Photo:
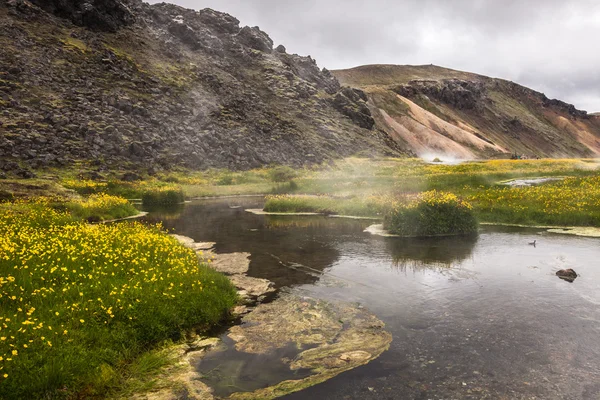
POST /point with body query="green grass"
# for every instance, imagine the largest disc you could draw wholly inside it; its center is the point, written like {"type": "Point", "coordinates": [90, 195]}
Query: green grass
{"type": "Point", "coordinates": [163, 196]}
{"type": "Point", "coordinates": [350, 185]}
{"type": "Point", "coordinates": [431, 214]}
{"type": "Point", "coordinates": [83, 304]}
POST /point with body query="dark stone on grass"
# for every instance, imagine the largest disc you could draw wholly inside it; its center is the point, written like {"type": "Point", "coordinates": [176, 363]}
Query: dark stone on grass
{"type": "Point", "coordinates": [131, 177]}
{"type": "Point", "coordinates": [25, 174]}
{"type": "Point", "coordinates": [568, 275]}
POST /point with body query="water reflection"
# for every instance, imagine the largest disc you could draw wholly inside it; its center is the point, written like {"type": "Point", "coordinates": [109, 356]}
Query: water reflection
{"type": "Point", "coordinates": [500, 326]}
{"type": "Point", "coordinates": [278, 248]}
{"type": "Point", "coordinates": [421, 253]}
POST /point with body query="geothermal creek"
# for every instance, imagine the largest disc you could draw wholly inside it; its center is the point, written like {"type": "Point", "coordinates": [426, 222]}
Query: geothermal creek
{"type": "Point", "coordinates": [476, 318]}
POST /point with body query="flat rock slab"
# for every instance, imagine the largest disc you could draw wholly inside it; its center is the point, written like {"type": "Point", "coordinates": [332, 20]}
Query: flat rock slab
{"type": "Point", "coordinates": [330, 337]}
{"type": "Point", "coordinates": [190, 243]}
{"type": "Point", "coordinates": [339, 337]}
{"type": "Point", "coordinates": [378, 230]}
{"type": "Point", "coordinates": [251, 287]}
{"type": "Point", "coordinates": [232, 263]}
{"type": "Point", "coordinates": [586, 231]}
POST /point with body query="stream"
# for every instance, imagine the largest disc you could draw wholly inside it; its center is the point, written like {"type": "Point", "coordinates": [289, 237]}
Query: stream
{"type": "Point", "coordinates": [482, 317]}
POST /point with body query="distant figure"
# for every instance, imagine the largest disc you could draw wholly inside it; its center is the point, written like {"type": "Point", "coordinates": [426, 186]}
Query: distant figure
{"type": "Point", "coordinates": [533, 243]}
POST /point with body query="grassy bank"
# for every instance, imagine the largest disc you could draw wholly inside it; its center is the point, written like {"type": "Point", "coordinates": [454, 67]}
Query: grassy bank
{"type": "Point", "coordinates": [574, 201]}
{"type": "Point", "coordinates": [364, 187]}
{"type": "Point", "coordinates": [82, 304]}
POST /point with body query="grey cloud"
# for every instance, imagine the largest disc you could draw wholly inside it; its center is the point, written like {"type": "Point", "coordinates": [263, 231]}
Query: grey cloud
{"type": "Point", "coordinates": [548, 45]}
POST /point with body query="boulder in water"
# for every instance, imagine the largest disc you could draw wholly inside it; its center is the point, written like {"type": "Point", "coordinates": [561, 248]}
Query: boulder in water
{"type": "Point", "coordinates": [568, 275]}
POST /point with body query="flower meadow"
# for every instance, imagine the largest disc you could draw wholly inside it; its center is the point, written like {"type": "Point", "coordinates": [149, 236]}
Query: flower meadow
{"type": "Point", "coordinates": [80, 302]}
{"type": "Point", "coordinates": [573, 201]}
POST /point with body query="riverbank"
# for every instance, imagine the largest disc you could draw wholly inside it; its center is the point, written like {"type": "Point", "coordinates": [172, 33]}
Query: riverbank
{"type": "Point", "coordinates": [326, 339]}
{"type": "Point", "coordinates": [83, 306]}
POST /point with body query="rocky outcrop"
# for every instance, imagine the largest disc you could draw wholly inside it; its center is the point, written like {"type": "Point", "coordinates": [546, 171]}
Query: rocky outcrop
{"type": "Point", "coordinates": [457, 93]}
{"type": "Point", "coordinates": [352, 103]}
{"type": "Point", "coordinates": [101, 15]}
{"type": "Point", "coordinates": [255, 39]}
{"type": "Point", "coordinates": [171, 87]}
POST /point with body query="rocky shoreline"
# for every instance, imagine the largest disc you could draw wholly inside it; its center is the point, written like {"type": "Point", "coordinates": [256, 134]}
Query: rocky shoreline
{"type": "Point", "coordinates": [330, 338]}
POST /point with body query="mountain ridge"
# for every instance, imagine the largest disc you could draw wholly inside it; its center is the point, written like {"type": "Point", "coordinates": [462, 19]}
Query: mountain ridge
{"type": "Point", "coordinates": [436, 110]}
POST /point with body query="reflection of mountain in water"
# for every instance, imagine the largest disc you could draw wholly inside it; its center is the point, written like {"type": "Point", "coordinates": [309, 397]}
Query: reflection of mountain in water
{"type": "Point", "coordinates": [419, 253]}
{"type": "Point", "coordinates": [276, 246]}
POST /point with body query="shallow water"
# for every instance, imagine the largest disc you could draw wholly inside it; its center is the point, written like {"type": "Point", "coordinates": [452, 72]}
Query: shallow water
{"type": "Point", "coordinates": [471, 318]}
{"type": "Point", "coordinates": [531, 181]}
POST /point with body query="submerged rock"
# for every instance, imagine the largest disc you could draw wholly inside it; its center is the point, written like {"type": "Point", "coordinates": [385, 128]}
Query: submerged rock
{"type": "Point", "coordinates": [568, 275]}
{"type": "Point", "coordinates": [331, 338]}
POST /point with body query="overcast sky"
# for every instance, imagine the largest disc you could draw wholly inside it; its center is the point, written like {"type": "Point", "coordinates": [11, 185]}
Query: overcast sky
{"type": "Point", "coordinates": [549, 45]}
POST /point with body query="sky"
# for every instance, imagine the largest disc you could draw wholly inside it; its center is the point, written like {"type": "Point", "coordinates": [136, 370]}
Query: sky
{"type": "Point", "coordinates": [548, 45]}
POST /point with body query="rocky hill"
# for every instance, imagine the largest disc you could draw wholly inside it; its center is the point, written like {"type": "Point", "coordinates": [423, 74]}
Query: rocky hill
{"type": "Point", "coordinates": [123, 84]}
{"type": "Point", "coordinates": [120, 83]}
{"type": "Point", "coordinates": [437, 111]}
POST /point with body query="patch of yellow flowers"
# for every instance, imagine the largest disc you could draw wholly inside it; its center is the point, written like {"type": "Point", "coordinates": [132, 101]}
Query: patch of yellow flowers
{"type": "Point", "coordinates": [570, 195]}
{"type": "Point", "coordinates": [57, 278]}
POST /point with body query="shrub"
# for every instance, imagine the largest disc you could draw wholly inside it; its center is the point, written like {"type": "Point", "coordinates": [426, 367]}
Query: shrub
{"type": "Point", "coordinates": [432, 214]}
{"type": "Point", "coordinates": [282, 174]}
{"type": "Point", "coordinates": [287, 187]}
{"type": "Point", "coordinates": [167, 195]}
{"type": "Point", "coordinates": [80, 303]}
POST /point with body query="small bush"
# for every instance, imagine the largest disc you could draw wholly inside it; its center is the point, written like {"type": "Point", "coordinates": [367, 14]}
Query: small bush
{"type": "Point", "coordinates": [432, 214]}
{"type": "Point", "coordinates": [282, 174]}
{"type": "Point", "coordinates": [163, 196]}
{"type": "Point", "coordinates": [287, 187]}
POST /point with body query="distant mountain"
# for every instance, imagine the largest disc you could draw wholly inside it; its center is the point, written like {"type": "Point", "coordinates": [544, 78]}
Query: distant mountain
{"type": "Point", "coordinates": [438, 111]}
{"type": "Point", "coordinates": [125, 84]}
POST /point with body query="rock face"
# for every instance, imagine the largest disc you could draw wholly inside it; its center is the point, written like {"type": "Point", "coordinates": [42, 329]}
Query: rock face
{"type": "Point", "coordinates": [101, 15]}
{"type": "Point", "coordinates": [456, 93]}
{"type": "Point", "coordinates": [166, 87]}
{"type": "Point", "coordinates": [352, 103]}
{"type": "Point", "coordinates": [568, 275]}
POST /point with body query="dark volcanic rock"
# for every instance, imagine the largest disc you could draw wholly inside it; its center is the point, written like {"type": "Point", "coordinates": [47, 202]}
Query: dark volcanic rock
{"type": "Point", "coordinates": [351, 103]}
{"type": "Point", "coordinates": [176, 88]}
{"type": "Point", "coordinates": [101, 15]}
{"type": "Point", "coordinates": [256, 39]}
{"type": "Point", "coordinates": [455, 92]}
{"type": "Point", "coordinates": [568, 275]}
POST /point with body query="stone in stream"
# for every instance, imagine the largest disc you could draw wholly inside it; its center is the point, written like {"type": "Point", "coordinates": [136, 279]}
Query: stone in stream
{"type": "Point", "coordinates": [190, 243]}
{"type": "Point", "coordinates": [232, 263]}
{"type": "Point", "coordinates": [328, 337]}
{"type": "Point", "coordinates": [235, 266]}
{"type": "Point", "coordinates": [568, 275]}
